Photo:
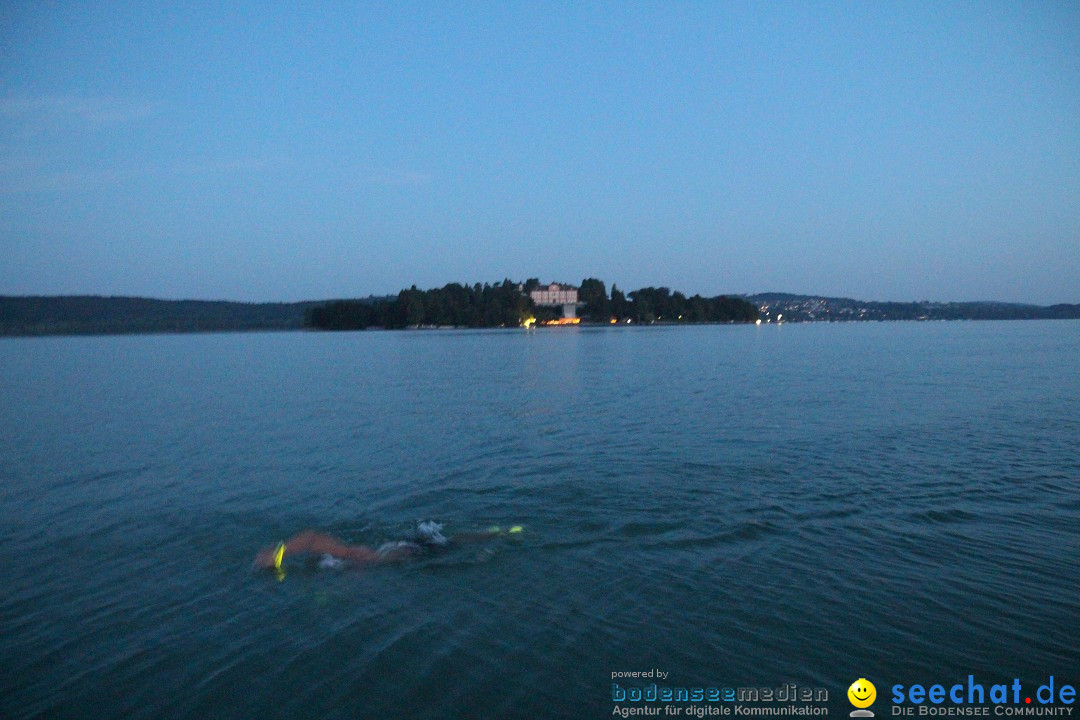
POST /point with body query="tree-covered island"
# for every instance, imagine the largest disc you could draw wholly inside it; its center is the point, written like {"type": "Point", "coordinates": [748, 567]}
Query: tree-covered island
{"type": "Point", "coordinates": [509, 304]}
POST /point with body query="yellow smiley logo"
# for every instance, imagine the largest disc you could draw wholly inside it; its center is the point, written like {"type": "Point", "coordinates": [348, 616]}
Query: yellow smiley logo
{"type": "Point", "coordinates": [862, 693]}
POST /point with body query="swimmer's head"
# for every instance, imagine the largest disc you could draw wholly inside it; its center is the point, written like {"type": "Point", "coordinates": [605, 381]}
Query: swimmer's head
{"type": "Point", "coordinates": [431, 532]}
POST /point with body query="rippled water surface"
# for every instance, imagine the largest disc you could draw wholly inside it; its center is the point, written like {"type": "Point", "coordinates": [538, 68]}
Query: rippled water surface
{"type": "Point", "coordinates": [732, 505]}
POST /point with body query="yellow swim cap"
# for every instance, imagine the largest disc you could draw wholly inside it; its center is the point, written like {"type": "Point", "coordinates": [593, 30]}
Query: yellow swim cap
{"type": "Point", "coordinates": [278, 555]}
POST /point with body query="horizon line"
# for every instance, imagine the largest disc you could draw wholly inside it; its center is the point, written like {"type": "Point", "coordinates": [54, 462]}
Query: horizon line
{"type": "Point", "coordinates": [392, 295]}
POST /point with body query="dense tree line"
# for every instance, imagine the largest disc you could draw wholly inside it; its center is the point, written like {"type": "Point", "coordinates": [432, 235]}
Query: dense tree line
{"type": "Point", "coordinates": [488, 305]}
{"type": "Point", "coordinates": [507, 304]}
{"type": "Point", "coordinates": [651, 304]}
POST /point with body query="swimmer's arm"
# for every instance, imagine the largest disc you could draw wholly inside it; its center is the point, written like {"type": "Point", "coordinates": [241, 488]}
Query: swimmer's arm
{"type": "Point", "coordinates": [320, 543]}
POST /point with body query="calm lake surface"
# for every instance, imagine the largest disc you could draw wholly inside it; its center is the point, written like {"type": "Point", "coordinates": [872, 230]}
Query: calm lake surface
{"type": "Point", "coordinates": [732, 505]}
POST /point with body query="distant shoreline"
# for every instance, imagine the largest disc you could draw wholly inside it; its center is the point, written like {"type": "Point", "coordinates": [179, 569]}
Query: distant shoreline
{"type": "Point", "coordinates": [89, 315]}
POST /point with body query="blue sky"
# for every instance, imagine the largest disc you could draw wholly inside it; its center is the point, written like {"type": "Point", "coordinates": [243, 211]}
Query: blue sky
{"type": "Point", "coordinates": [286, 151]}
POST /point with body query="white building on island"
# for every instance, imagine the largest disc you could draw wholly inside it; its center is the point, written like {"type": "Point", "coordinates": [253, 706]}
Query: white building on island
{"type": "Point", "coordinates": [555, 295]}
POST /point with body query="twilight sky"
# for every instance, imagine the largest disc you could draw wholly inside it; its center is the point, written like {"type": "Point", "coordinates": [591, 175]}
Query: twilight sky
{"type": "Point", "coordinates": [287, 151]}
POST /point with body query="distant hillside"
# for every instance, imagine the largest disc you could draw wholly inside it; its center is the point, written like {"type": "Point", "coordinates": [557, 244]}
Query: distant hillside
{"type": "Point", "coordinates": [813, 308]}
{"type": "Point", "coordinates": [94, 315]}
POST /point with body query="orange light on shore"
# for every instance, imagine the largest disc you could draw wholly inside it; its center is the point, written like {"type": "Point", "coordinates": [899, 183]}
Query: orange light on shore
{"type": "Point", "coordinates": [563, 321]}
{"type": "Point", "coordinates": [613, 321]}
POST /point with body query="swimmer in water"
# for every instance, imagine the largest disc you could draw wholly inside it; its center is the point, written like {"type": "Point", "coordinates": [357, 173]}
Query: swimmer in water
{"type": "Point", "coordinates": [336, 553]}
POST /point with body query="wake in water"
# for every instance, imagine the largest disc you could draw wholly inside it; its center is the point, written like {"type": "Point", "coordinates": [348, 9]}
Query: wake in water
{"type": "Point", "coordinates": [335, 554]}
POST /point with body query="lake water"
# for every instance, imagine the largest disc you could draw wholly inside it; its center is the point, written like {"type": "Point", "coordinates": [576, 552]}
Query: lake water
{"type": "Point", "coordinates": [732, 505]}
